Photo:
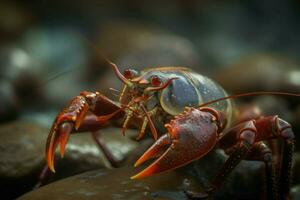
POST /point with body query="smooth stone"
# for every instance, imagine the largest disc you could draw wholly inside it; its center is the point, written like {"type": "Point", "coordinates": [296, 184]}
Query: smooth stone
{"type": "Point", "coordinates": [113, 184]}
{"type": "Point", "coordinates": [9, 104]}
{"type": "Point", "coordinates": [295, 192]}
{"type": "Point", "coordinates": [38, 68]}
{"type": "Point", "coordinates": [15, 18]}
{"type": "Point", "coordinates": [82, 154]}
{"type": "Point", "coordinates": [145, 45]}
{"type": "Point", "coordinates": [271, 105]}
{"type": "Point", "coordinates": [21, 147]}
{"type": "Point", "coordinates": [245, 182]}
{"type": "Point", "coordinates": [260, 72]}
{"type": "Point", "coordinates": [22, 155]}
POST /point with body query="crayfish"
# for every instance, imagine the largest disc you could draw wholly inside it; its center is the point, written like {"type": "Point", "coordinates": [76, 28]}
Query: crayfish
{"type": "Point", "coordinates": [195, 114]}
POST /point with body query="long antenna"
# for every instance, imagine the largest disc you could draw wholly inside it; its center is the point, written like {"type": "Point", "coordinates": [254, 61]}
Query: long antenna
{"type": "Point", "coordinates": [113, 65]}
{"type": "Point", "coordinates": [55, 76]}
{"type": "Point", "coordinates": [104, 58]}
{"type": "Point", "coordinates": [235, 96]}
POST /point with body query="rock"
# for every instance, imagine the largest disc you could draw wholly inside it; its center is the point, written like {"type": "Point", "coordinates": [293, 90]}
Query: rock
{"type": "Point", "coordinates": [9, 104]}
{"type": "Point", "coordinates": [83, 155]}
{"type": "Point", "coordinates": [21, 157]}
{"type": "Point", "coordinates": [245, 182]}
{"type": "Point", "coordinates": [295, 192]}
{"type": "Point", "coordinates": [116, 183]}
{"type": "Point", "coordinates": [23, 141]}
{"type": "Point", "coordinates": [265, 72]}
{"type": "Point", "coordinates": [145, 45]}
{"type": "Point", "coordinates": [113, 184]}
{"type": "Point", "coordinates": [14, 19]}
{"type": "Point", "coordinates": [270, 105]}
{"type": "Point", "coordinates": [22, 154]}
{"type": "Point", "coordinates": [144, 144]}
{"type": "Point", "coordinates": [50, 47]}
{"type": "Point", "coordinates": [37, 67]}
{"type": "Point", "coordinates": [20, 70]}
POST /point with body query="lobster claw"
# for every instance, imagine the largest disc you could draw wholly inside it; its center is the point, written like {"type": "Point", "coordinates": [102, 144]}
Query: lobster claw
{"type": "Point", "coordinates": [59, 134]}
{"type": "Point", "coordinates": [71, 117]}
{"type": "Point", "coordinates": [191, 135]}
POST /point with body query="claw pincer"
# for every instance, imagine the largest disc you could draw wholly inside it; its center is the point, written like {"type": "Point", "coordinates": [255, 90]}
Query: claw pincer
{"type": "Point", "coordinates": [69, 118]}
{"type": "Point", "coordinates": [191, 135]}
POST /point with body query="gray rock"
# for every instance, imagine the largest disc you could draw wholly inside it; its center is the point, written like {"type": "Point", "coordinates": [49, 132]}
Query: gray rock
{"type": "Point", "coordinates": [116, 184]}
{"type": "Point", "coordinates": [9, 104]}
{"type": "Point", "coordinates": [295, 192]}
{"type": "Point", "coordinates": [82, 154]}
{"type": "Point", "coordinates": [21, 148]}
{"type": "Point", "coordinates": [271, 105]}
{"type": "Point", "coordinates": [22, 156]}
{"type": "Point", "coordinates": [260, 72]}
{"type": "Point", "coordinates": [15, 18]}
{"type": "Point", "coordinates": [113, 184]}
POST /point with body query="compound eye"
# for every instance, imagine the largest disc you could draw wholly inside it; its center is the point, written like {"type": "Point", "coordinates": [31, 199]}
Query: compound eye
{"type": "Point", "coordinates": [155, 81]}
{"type": "Point", "coordinates": [130, 73]}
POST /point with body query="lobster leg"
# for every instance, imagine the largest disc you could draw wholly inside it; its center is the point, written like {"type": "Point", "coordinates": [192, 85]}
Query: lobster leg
{"type": "Point", "coordinates": [43, 177]}
{"type": "Point", "coordinates": [110, 157]}
{"type": "Point", "coordinates": [286, 166]}
{"type": "Point", "coordinates": [273, 127]}
{"type": "Point", "coordinates": [238, 152]}
{"type": "Point", "coordinates": [287, 134]}
{"type": "Point", "coordinates": [261, 152]}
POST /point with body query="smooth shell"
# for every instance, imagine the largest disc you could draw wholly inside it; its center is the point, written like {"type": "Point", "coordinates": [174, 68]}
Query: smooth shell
{"type": "Point", "coordinates": [189, 89]}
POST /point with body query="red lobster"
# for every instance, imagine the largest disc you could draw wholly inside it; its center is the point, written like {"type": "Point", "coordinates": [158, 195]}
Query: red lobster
{"type": "Point", "coordinates": [197, 115]}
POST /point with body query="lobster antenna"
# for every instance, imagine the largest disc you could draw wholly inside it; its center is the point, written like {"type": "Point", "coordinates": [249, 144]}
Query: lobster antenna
{"type": "Point", "coordinates": [62, 73]}
{"type": "Point", "coordinates": [235, 96]}
{"type": "Point", "coordinates": [55, 76]}
{"type": "Point", "coordinates": [113, 65]}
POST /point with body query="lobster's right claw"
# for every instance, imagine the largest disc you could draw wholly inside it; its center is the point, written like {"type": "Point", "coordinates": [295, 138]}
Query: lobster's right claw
{"type": "Point", "coordinates": [70, 118]}
{"type": "Point", "coordinates": [191, 136]}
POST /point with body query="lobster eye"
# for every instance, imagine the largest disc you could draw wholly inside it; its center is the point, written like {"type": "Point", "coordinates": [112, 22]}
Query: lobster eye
{"type": "Point", "coordinates": [155, 81]}
{"type": "Point", "coordinates": [129, 73]}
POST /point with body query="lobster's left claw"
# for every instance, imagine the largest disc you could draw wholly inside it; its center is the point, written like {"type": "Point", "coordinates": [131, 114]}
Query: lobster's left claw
{"type": "Point", "coordinates": [58, 134]}
{"type": "Point", "coordinates": [191, 136]}
{"type": "Point", "coordinates": [70, 117]}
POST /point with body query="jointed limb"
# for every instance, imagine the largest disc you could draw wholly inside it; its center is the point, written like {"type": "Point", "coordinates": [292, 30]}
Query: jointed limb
{"type": "Point", "coordinates": [238, 152]}
{"type": "Point", "coordinates": [87, 112]}
{"type": "Point", "coordinates": [247, 138]}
